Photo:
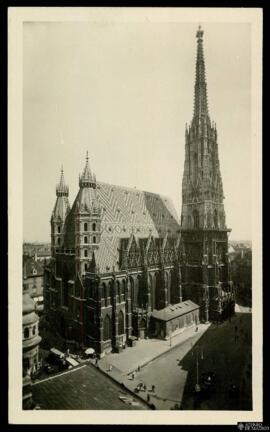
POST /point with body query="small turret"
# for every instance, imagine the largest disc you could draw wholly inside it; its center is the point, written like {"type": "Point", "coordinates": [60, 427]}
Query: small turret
{"type": "Point", "coordinates": [59, 214]}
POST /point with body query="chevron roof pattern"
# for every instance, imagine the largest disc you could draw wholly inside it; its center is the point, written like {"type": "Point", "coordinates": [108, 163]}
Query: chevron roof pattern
{"type": "Point", "coordinates": [126, 211]}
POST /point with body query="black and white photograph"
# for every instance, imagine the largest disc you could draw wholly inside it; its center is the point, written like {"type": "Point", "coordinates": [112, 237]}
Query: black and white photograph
{"type": "Point", "coordinates": [134, 196]}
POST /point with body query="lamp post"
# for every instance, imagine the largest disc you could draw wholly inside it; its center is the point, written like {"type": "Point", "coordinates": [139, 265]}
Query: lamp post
{"type": "Point", "coordinates": [197, 385]}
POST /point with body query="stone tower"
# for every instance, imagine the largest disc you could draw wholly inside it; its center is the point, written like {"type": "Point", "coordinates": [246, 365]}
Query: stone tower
{"type": "Point", "coordinates": [59, 214]}
{"type": "Point", "coordinates": [206, 267]}
{"type": "Point", "coordinates": [87, 219]}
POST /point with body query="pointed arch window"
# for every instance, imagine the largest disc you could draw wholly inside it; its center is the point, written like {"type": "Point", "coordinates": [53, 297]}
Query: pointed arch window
{"type": "Point", "coordinates": [85, 253]}
{"type": "Point", "coordinates": [103, 290]}
{"type": "Point", "coordinates": [59, 241]}
{"type": "Point", "coordinates": [118, 292]}
{"type": "Point", "coordinates": [209, 219]}
{"type": "Point", "coordinates": [85, 240]}
{"type": "Point", "coordinates": [216, 218]}
{"type": "Point", "coordinates": [121, 323]}
{"type": "Point", "coordinates": [107, 332]}
{"type": "Point", "coordinates": [132, 293]}
{"type": "Point", "coordinates": [65, 286]}
{"type": "Point", "coordinates": [123, 286]}
{"type": "Point", "coordinates": [85, 226]}
{"type": "Point", "coordinates": [196, 219]}
{"type": "Point", "coordinates": [94, 227]}
{"type": "Point", "coordinates": [59, 229]}
{"type": "Point", "coordinates": [94, 239]}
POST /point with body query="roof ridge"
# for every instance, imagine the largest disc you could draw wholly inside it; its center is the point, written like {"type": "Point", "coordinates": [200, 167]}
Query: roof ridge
{"type": "Point", "coordinates": [134, 189]}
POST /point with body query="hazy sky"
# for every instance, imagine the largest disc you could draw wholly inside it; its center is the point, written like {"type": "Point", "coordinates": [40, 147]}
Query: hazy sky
{"type": "Point", "coordinates": [124, 93]}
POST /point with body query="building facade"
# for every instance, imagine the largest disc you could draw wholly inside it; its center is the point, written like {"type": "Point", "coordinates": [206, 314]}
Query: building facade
{"type": "Point", "coordinates": [174, 319]}
{"type": "Point", "coordinates": [33, 281]}
{"type": "Point", "coordinates": [31, 338]}
{"type": "Point", "coordinates": [119, 254]}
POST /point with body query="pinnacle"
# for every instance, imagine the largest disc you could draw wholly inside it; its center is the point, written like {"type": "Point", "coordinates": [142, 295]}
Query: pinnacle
{"type": "Point", "coordinates": [62, 188]}
{"type": "Point", "coordinates": [87, 178]}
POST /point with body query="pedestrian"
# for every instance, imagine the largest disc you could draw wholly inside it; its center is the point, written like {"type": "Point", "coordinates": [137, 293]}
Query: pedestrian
{"type": "Point", "coordinates": [133, 375]}
{"type": "Point", "coordinates": [153, 388]}
{"type": "Point", "coordinates": [148, 397]}
{"type": "Point", "coordinates": [144, 388]}
{"type": "Point", "coordinates": [110, 368]}
{"type": "Point", "coordinates": [96, 361]}
{"type": "Point", "coordinates": [139, 368]}
{"type": "Point", "coordinates": [196, 328]}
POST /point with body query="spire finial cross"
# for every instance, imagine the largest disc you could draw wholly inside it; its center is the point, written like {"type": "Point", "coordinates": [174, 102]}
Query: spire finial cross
{"type": "Point", "coordinates": [87, 156]}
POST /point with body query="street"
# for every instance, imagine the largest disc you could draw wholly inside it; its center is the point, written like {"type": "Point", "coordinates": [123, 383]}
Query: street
{"type": "Point", "coordinates": [224, 349]}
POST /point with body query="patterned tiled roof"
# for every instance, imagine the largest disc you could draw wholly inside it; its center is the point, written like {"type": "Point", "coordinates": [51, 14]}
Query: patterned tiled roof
{"type": "Point", "coordinates": [124, 211]}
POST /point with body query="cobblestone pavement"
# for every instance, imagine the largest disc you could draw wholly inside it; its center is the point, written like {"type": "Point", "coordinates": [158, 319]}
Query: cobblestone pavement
{"type": "Point", "coordinates": [172, 369]}
{"type": "Point", "coordinates": [148, 349]}
{"type": "Point", "coordinates": [154, 356]}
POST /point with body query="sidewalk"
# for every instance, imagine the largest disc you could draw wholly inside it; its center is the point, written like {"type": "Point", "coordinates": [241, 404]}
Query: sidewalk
{"type": "Point", "coordinates": [147, 350]}
{"type": "Point", "coordinates": [120, 366]}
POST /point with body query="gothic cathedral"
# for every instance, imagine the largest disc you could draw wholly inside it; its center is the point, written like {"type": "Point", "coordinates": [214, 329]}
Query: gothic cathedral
{"type": "Point", "coordinates": [123, 266]}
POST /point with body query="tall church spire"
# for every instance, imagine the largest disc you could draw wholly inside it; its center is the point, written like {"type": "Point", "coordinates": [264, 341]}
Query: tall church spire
{"type": "Point", "coordinates": [200, 94]}
{"type": "Point", "coordinates": [204, 236]}
{"type": "Point", "coordinates": [202, 190]}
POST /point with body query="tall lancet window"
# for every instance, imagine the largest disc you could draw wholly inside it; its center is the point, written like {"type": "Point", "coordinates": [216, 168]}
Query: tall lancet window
{"type": "Point", "coordinates": [196, 219]}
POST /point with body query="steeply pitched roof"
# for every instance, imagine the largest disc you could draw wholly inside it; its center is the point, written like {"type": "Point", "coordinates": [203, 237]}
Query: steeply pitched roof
{"type": "Point", "coordinates": [123, 211]}
{"type": "Point", "coordinates": [174, 311]}
{"type": "Point", "coordinates": [61, 207]}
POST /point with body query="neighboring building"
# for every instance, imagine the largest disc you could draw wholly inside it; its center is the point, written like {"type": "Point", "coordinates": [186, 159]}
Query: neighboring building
{"type": "Point", "coordinates": [242, 276]}
{"type": "Point", "coordinates": [30, 355]}
{"type": "Point", "coordinates": [85, 388]}
{"type": "Point", "coordinates": [33, 279]}
{"type": "Point", "coordinates": [31, 338]}
{"type": "Point", "coordinates": [119, 254]}
{"type": "Point", "coordinates": [173, 318]}
{"type": "Point", "coordinates": [41, 252]}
